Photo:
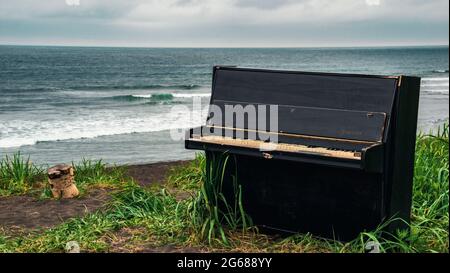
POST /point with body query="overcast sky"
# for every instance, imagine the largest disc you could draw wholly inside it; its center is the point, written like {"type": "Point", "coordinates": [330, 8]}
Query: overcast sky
{"type": "Point", "coordinates": [224, 23]}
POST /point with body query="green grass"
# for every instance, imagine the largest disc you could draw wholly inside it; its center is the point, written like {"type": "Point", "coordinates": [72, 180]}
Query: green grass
{"type": "Point", "coordinates": [429, 219]}
{"type": "Point", "coordinates": [160, 213]}
{"type": "Point", "coordinates": [18, 175]}
{"type": "Point", "coordinates": [209, 222]}
{"type": "Point", "coordinates": [96, 174]}
{"type": "Point", "coordinates": [188, 178]}
{"type": "Point", "coordinates": [211, 212]}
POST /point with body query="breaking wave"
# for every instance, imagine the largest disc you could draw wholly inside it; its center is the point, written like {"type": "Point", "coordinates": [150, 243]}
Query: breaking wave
{"type": "Point", "coordinates": [137, 87]}
{"type": "Point", "coordinates": [14, 134]}
{"type": "Point", "coordinates": [45, 89]}
{"type": "Point", "coordinates": [435, 86]}
{"type": "Point", "coordinates": [441, 71]}
{"type": "Point", "coordinates": [158, 97]}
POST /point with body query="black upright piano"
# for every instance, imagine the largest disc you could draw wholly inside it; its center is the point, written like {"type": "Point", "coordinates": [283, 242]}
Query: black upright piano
{"type": "Point", "coordinates": [340, 160]}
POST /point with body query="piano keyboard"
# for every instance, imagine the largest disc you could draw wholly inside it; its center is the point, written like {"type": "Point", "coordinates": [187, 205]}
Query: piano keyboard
{"type": "Point", "coordinates": [282, 147]}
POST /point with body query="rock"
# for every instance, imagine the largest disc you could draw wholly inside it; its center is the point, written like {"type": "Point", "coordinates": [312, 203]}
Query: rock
{"type": "Point", "coordinates": [372, 247]}
{"type": "Point", "coordinates": [72, 247]}
{"type": "Point", "coordinates": [61, 180]}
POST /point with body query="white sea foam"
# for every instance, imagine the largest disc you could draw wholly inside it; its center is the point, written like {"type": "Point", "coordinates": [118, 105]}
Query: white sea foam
{"type": "Point", "coordinates": [142, 96]}
{"type": "Point", "coordinates": [16, 133]}
{"type": "Point", "coordinates": [436, 90]}
{"type": "Point", "coordinates": [175, 95]}
{"type": "Point", "coordinates": [446, 79]}
{"type": "Point", "coordinates": [192, 95]}
{"type": "Point", "coordinates": [435, 86]}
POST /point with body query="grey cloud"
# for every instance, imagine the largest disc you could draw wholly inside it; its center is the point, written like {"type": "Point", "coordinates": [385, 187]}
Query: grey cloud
{"type": "Point", "coordinates": [264, 4]}
{"type": "Point", "coordinates": [224, 22]}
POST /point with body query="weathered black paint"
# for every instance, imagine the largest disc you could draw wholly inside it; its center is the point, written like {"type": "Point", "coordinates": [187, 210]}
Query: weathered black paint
{"type": "Point", "coordinates": [331, 197]}
{"type": "Point", "coordinates": [331, 105]}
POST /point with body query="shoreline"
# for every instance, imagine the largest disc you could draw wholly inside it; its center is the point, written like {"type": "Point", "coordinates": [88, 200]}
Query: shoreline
{"type": "Point", "coordinates": [127, 149]}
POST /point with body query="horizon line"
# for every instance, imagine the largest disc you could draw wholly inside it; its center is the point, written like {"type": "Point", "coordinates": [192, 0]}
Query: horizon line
{"type": "Point", "coordinates": [231, 47]}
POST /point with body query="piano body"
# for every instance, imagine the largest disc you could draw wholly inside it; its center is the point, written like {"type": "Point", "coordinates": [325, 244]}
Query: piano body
{"type": "Point", "coordinates": [343, 158]}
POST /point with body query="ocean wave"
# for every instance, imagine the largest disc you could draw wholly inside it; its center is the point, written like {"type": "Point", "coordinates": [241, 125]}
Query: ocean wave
{"type": "Point", "coordinates": [441, 79]}
{"type": "Point", "coordinates": [17, 133]}
{"type": "Point", "coordinates": [153, 97]}
{"type": "Point", "coordinates": [191, 95]}
{"type": "Point", "coordinates": [20, 90]}
{"type": "Point", "coordinates": [158, 96]}
{"type": "Point", "coordinates": [436, 92]}
{"type": "Point", "coordinates": [137, 87]}
{"type": "Point", "coordinates": [440, 71]}
{"type": "Point", "coordinates": [169, 96]}
{"type": "Point", "coordinates": [32, 89]}
{"type": "Point", "coordinates": [162, 102]}
{"type": "Point", "coordinates": [435, 85]}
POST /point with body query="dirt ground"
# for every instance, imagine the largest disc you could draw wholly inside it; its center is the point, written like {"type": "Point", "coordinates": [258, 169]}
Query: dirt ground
{"type": "Point", "coordinates": [124, 241]}
{"type": "Point", "coordinates": [153, 173]}
{"type": "Point", "coordinates": [26, 213]}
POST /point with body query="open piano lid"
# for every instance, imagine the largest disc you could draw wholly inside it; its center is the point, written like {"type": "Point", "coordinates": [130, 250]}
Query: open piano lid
{"type": "Point", "coordinates": [335, 106]}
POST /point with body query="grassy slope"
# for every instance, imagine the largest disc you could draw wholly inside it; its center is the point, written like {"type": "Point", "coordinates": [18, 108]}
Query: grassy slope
{"type": "Point", "coordinates": [158, 218]}
{"type": "Point", "coordinates": [19, 176]}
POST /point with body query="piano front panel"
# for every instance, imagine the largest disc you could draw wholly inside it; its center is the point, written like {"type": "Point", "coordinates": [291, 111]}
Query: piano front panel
{"type": "Point", "coordinates": [290, 196]}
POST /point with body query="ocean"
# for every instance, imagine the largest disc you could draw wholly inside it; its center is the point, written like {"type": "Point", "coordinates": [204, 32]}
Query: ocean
{"type": "Point", "coordinates": [62, 104]}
